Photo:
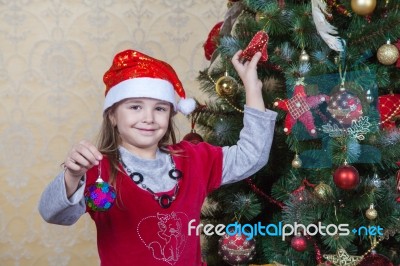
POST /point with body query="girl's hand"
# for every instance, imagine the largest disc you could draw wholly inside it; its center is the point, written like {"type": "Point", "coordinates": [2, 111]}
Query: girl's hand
{"type": "Point", "coordinates": [81, 158]}
{"type": "Point", "coordinates": [247, 71]}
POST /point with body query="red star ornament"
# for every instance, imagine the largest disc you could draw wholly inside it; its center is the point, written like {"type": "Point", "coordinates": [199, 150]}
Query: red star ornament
{"type": "Point", "coordinates": [299, 108]}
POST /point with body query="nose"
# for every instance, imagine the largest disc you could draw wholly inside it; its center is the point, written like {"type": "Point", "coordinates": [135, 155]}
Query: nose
{"type": "Point", "coordinates": [148, 116]}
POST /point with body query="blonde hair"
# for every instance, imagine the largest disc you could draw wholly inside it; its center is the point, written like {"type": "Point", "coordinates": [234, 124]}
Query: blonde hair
{"type": "Point", "coordinates": [108, 140]}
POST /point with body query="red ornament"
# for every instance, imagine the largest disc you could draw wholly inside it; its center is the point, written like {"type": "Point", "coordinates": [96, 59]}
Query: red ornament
{"type": "Point", "coordinates": [193, 137]}
{"type": "Point", "coordinates": [212, 40]}
{"type": "Point", "coordinates": [259, 43]}
{"type": "Point", "coordinates": [236, 250]}
{"type": "Point", "coordinates": [375, 259]}
{"type": "Point", "coordinates": [346, 177]}
{"type": "Point", "coordinates": [345, 108]}
{"type": "Point", "coordinates": [299, 243]}
{"type": "Point", "coordinates": [389, 108]}
{"type": "Point", "coordinates": [298, 108]}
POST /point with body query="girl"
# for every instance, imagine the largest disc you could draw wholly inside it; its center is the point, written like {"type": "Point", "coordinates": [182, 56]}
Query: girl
{"type": "Point", "coordinates": [159, 187]}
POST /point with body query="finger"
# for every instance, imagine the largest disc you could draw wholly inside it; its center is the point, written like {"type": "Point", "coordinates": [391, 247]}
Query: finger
{"type": "Point", "coordinates": [81, 159]}
{"type": "Point", "coordinates": [255, 59]}
{"type": "Point", "coordinates": [236, 59]}
{"type": "Point", "coordinates": [236, 56]}
{"type": "Point", "coordinates": [85, 157]}
{"type": "Point", "coordinates": [93, 149]}
{"type": "Point", "coordinates": [72, 165]}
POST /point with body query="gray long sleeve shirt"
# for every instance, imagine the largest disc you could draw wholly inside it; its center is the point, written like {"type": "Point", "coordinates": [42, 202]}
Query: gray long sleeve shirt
{"type": "Point", "coordinates": [240, 161]}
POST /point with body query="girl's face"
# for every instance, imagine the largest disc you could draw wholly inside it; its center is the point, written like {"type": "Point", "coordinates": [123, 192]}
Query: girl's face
{"type": "Point", "coordinates": [141, 123]}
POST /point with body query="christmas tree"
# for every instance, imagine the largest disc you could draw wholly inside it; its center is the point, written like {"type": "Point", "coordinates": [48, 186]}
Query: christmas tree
{"type": "Point", "coordinates": [331, 71]}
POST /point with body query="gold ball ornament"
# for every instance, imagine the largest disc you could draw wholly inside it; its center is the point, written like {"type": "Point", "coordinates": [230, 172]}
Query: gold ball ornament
{"type": "Point", "coordinates": [226, 86]}
{"type": "Point", "coordinates": [304, 57]}
{"type": "Point", "coordinates": [296, 163]}
{"type": "Point", "coordinates": [371, 213]}
{"type": "Point", "coordinates": [363, 7]}
{"type": "Point", "coordinates": [323, 191]}
{"type": "Point", "coordinates": [387, 54]}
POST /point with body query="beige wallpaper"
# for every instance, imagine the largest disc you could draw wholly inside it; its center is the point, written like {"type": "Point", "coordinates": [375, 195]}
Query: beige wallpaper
{"type": "Point", "coordinates": [52, 57]}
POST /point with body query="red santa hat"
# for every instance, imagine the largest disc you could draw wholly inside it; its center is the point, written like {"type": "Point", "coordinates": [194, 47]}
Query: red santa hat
{"type": "Point", "coordinates": [134, 74]}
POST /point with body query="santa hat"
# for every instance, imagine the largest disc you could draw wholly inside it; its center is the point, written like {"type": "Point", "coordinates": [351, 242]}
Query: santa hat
{"type": "Point", "coordinates": [134, 74]}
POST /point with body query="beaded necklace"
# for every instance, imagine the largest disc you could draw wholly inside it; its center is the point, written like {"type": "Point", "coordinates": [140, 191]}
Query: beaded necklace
{"type": "Point", "coordinates": [164, 200]}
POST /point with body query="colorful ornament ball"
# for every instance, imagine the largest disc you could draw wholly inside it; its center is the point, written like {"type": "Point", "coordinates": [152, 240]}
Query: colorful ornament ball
{"type": "Point", "coordinates": [345, 108]}
{"type": "Point", "coordinates": [100, 196]}
{"type": "Point", "coordinates": [235, 249]}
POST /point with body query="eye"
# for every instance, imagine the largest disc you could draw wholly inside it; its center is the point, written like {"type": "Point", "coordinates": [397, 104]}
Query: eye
{"type": "Point", "coordinates": [135, 107]}
{"type": "Point", "coordinates": [161, 109]}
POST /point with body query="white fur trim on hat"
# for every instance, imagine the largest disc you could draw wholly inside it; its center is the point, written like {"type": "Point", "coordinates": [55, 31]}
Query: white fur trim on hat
{"type": "Point", "coordinates": [186, 106]}
{"type": "Point", "coordinates": [141, 87]}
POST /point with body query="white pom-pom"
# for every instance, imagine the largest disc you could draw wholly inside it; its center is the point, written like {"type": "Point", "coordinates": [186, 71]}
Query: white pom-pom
{"type": "Point", "coordinates": [186, 106]}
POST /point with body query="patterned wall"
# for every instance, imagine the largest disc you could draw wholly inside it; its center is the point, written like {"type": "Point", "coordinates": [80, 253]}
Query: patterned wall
{"type": "Point", "coordinates": [52, 58]}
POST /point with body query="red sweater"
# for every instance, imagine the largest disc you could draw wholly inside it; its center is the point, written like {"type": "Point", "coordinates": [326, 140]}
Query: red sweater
{"type": "Point", "coordinates": [137, 231]}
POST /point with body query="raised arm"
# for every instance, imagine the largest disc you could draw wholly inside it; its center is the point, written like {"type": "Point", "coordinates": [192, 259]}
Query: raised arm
{"type": "Point", "coordinates": [252, 150]}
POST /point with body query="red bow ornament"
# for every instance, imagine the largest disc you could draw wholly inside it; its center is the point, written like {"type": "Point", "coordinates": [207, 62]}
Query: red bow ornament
{"type": "Point", "coordinates": [259, 43]}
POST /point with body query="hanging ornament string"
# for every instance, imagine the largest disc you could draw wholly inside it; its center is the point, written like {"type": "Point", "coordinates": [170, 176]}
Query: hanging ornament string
{"type": "Point", "coordinates": [193, 136]}
{"type": "Point", "coordinates": [262, 194]}
{"type": "Point", "coordinates": [100, 196]}
{"type": "Point", "coordinates": [195, 115]}
{"type": "Point", "coordinates": [342, 66]}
